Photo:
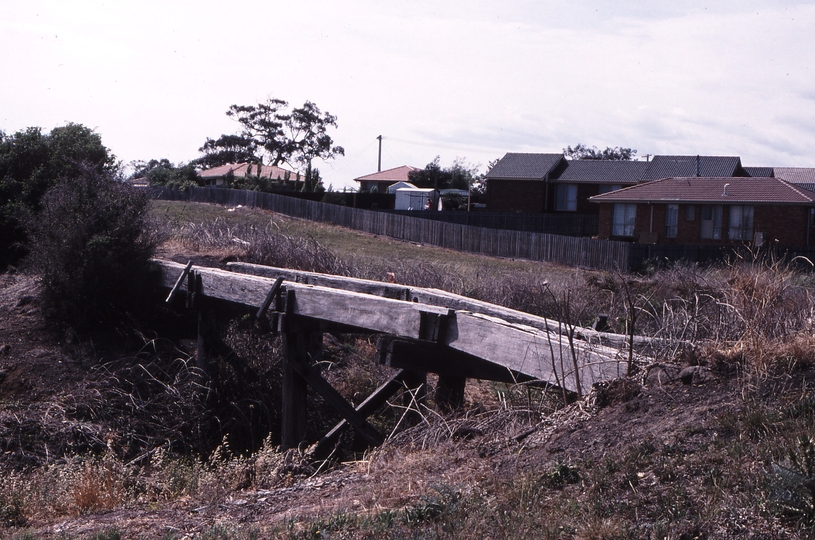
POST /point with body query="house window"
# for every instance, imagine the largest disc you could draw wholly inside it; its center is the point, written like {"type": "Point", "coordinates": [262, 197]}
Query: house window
{"type": "Point", "coordinates": [741, 223]}
{"type": "Point", "coordinates": [625, 216]}
{"type": "Point", "coordinates": [608, 188]}
{"type": "Point", "coordinates": [566, 197]}
{"type": "Point", "coordinates": [671, 220]}
{"type": "Point", "coordinates": [690, 212]}
{"type": "Point", "coordinates": [710, 226]}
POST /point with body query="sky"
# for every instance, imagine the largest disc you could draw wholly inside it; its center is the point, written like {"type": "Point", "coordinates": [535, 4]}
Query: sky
{"type": "Point", "coordinates": [469, 80]}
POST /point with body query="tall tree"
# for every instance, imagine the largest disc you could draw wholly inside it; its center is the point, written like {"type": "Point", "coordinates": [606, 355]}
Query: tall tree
{"type": "Point", "coordinates": [460, 175]}
{"type": "Point", "coordinates": [581, 151]}
{"type": "Point", "coordinates": [227, 149]}
{"type": "Point", "coordinates": [162, 172]}
{"type": "Point", "coordinates": [276, 135]}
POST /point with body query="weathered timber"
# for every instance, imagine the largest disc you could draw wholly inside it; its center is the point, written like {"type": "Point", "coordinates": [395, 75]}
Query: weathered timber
{"type": "Point", "coordinates": [366, 286]}
{"type": "Point", "coordinates": [429, 357]}
{"type": "Point", "coordinates": [450, 392]}
{"type": "Point", "coordinates": [209, 340]}
{"type": "Point", "coordinates": [178, 282]}
{"type": "Point", "coordinates": [316, 381]}
{"type": "Point", "coordinates": [542, 355]}
{"type": "Point", "coordinates": [294, 390]}
{"type": "Point", "coordinates": [273, 293]}
{"type": "Point", "coordinates": [354, 310]}
{"type": "Point", "coordinates": [438, 297]}
{"type": "Point", "coordinates": [539, 353]}
{"type": "Point", "coordinates": [379, 397]}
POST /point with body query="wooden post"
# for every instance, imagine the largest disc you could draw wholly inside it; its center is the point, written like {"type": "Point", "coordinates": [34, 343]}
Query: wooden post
{"type": "Point", "coordinates": [450, 392]}
{"type": "Point", "coordinates": [293, 431]}
{"type": "Point", "coordinates": [208, 340]}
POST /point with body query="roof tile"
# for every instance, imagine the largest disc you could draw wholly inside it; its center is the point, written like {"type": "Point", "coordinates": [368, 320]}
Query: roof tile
{"type": "Point", "coordinates": [603, 171]}
{"type": "Point", "coordinates": [515, 166]}
{"type": "Point", "coordinates": [674, 166]}
{"type": "Point", "coordinates": [397, 174]}
{"type": "Point", "coordinates": [699, 189]}
{"type": "Point", "coordinates": [796, 175]}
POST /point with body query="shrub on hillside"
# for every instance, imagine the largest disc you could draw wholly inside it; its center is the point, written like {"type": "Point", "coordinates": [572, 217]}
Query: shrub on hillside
{"type": "Point", "coordinates": [31, 162]}
{"type": "Point", "coordinates": [91, 245]}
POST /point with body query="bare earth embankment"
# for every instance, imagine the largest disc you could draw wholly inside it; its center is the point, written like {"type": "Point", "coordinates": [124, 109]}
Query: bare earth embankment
{"type": "Point", "coordinates": [648, 457]}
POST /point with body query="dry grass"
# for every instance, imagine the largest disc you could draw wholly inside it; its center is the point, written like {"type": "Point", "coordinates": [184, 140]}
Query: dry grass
{"type": "Point", "coordinates": [436, 477]}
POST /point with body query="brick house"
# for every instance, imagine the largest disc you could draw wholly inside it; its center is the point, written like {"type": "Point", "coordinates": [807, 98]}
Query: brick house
{"type": "Point", "coordinates": [709, 211]}
{"type": "Point", "coordinates": [572, 187]}
{"type": "Point", "coordinates": [379, 182]}
{"type": "Point", "coordinates": [550, 183]}
{"type": "Point", "coordinates": [216, 176]}
{"type": "Point", "coordinates": [520, 182]}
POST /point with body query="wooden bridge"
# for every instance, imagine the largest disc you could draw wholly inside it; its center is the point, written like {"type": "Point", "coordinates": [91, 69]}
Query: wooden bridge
{"type": "Point", "coordinates": [423, 331]}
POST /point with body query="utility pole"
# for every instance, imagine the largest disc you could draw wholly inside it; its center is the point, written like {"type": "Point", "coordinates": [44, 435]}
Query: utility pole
{"type": "Point", "coordinates": [379, 162]}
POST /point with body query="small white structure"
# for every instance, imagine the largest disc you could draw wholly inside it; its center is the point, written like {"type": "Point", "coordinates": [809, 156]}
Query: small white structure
{"type": "Point", "coordinates": [415, 199]}
{"type": "Point", "coordinates": [399, 185]}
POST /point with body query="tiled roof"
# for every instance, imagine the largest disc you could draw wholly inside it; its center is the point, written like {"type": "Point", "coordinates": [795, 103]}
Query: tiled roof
{"type": "Point", "coordinates": [695, 189]}
{"type": "Point", "coordinates": [673, 166]}
{"type": "Point", "coordinates": [240, 169]}
{"type": "Point", "coordinates": [602, 171]}
{"type": "Point", "coordinates": [397, 174]}
{"type": "Point", "coordinates": [515, 166]}
{"type": "Point", "coordinates": [764, 172]}
{"type": "Point", "coordinates": [796, 175]}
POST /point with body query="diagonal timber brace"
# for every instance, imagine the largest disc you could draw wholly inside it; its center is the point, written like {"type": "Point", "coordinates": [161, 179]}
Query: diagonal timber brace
{"type": "Point", "coordinates": [324, 388]}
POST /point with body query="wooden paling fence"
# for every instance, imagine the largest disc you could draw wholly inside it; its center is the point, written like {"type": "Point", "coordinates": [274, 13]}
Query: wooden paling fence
{"type": "Point", "coordinates": [572, 251]}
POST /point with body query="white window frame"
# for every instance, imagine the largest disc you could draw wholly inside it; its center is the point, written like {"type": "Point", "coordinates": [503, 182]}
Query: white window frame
{"type": "Point", "coordinates": [624, 218]}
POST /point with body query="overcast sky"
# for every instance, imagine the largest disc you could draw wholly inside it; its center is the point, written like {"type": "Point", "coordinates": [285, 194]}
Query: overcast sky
{"type": "Point", "coordinates": [459, 79]}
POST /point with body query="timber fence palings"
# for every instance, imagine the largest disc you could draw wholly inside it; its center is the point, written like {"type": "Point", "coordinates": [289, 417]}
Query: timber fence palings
{"type": "Point", "coordinates": [568, 250]}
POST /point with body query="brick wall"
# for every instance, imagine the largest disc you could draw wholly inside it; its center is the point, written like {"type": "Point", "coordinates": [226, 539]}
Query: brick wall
{"type": "Point", "coordinates": [783, 225]}
{"type": "Point", "coordinates": [516, 195]}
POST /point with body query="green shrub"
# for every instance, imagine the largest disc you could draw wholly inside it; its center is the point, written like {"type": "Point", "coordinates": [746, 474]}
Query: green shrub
{"type": "Point", "coordinates": [91, 245]}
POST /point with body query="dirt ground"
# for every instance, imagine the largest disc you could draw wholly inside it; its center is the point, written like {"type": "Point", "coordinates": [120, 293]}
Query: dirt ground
{"type": "Point", "coordinates": [41, 368]}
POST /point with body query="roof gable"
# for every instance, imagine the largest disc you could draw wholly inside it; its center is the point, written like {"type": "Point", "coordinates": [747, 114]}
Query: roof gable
{"type": "Point", "coordinates": [602, 171]}
{"type": "Point", "coordinates": [397, 174]}
{"type": "Point", "coordinates": [796, 175]}
{"type": "Point", "coordinates": [765, 172]}
{"type": "Point", "coordinates": [685, 166]}
{"type": "Point", "coordinates": [515, 166]}
{"type": "Point", "coordinates": [698, 189]}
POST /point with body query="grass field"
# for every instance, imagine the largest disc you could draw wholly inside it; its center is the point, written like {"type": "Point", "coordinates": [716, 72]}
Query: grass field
{"type": "Point", "coordinates": [355, 247]}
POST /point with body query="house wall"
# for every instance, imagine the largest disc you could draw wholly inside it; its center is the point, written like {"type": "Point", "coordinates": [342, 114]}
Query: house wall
{"type": "Point", "coordinates": [516, 195]}
{"type": "Point", "coordinates": [787, 224]}
{"type": "Point", "coordinates": [784, 225]}
{"type": "Point", "coordinates": [584, 191]}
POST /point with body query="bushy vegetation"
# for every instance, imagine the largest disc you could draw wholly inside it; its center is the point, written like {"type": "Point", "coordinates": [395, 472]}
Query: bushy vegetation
{"type": "Point", "coordinates": [92, 248]}
{"type": "Point", "coordinates": [162, 172]}
{"type": "Point", "coordinates": [32, 162]}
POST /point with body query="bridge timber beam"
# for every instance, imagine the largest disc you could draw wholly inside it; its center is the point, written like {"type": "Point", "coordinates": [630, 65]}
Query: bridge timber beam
{"type": "Point", "coordinates": [536, 353]}
{"type": "Point", "coordinates": [438, 297]}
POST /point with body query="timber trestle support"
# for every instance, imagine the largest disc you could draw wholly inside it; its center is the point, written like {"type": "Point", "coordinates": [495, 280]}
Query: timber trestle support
{"type": "Point", "coordinates": [420, 331]}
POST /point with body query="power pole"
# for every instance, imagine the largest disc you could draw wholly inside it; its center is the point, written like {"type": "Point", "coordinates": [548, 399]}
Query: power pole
{"type": "Point", "coordinates": [379, 162]}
